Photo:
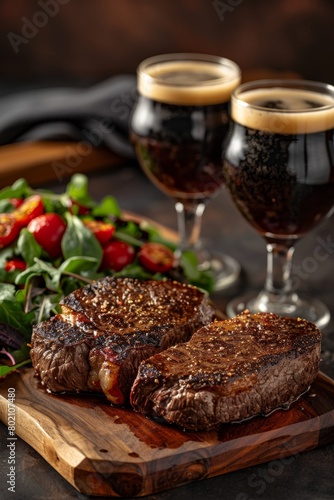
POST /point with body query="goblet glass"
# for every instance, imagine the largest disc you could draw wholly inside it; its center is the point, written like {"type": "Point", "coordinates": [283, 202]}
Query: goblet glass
{"type": "Point", "coordinates": [279, 169]}
{"type": "Point", "coordinates": [177, 126]}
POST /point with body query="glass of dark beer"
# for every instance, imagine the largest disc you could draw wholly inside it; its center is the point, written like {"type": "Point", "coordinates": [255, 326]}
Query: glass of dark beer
{"type": "Point", "coordinates": [279, 169]}
{"type": "Point", "coordinates": [177, 127]}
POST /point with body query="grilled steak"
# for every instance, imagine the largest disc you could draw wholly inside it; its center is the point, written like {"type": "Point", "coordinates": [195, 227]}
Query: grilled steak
{"type": "Point", "coordinates": [229, 370]}
{"type": "Point", "coordinates": [107, 328]}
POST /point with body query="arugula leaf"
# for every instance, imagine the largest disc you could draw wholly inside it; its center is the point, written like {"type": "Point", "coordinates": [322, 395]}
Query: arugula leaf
{"type": "Point", "coordinates": [78, 241]}
{"type": "Point", "coordinates": [19, 189]}
{"type": "Point", "coordinates": [6, 206]}
{"type": "Point", "coordinates": [77, 190]}
{"type": "Point", "coordinates": [5, 254]}
{"type": "Point", "coordinates": [107, 207]}
{"type": "Point", "coordinates": [12, 314]}
{"type": "Point", "coordinates": [133, 270]}
{"type": "Point", "coordinates": [28, 247]}
{"type": "Point", "coordinates": [5, 369]}
{"type": "Point", "coordinates": [39, 269]}
{"type": "Point", "coordinates": [202, 279]}
{"type": "Point", "coordinates": [7, 292]}
{"type": "Point", "coordinates": [52, 205]}
{"type": "Point", "coordinates": [189, 263]}
{"type": "Point", "coordinates": [122, 235]}
{"type": "Point", "coordinates": [82, 266]}
{"type": "Point", "coordinates": [71, 283]}
{"type": "Point", "coordinates": [46, 305]}
{"type": "Point", "coordinates": [21, 354]}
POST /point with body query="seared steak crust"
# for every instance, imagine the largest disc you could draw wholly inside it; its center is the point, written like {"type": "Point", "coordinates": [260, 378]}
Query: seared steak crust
{"type": "Point", "coordinates": [229, 370]}
{"type": "Point", "coordinates": [108, 327]}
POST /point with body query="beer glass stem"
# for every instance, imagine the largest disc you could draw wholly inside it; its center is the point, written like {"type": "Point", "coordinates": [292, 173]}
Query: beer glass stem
{"type": "Point", "coordinates": [189, 220]}
{"type": "Point", "coordinates": [278, 295]}
{"type": "Point", "coordinates": [279, 262]}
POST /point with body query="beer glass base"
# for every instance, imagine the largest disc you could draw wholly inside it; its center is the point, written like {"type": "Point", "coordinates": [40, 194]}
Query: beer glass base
{"type": "Point", "coordinates": [309, 309]}
{"type": "Point", "coordinates": [225, 269]}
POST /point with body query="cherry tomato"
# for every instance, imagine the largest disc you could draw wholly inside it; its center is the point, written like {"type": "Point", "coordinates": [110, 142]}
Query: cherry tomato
{"type": "Point", "coordinates": [117, 255]}
{"type": "Point", "coordinates": [103, 231]}
{"type": "Point", "coordinates": [29, 209]}
{"type": "Point", "coordinates": [16, 202]}
{"type": "Point", "coordinates": [9, 229]}
{"type": "Point", "coordinates": [15, 265]}
{"type": "Point", "coordinates": [48, 230]}
{"type": "Point", "coordinates": [156, 257]}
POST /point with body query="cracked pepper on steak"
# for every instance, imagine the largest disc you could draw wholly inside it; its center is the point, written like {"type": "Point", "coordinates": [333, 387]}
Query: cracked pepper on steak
{"type": "Point", "coordinates": [107, 328]}
{"type": "Point", "coordinates": [230, 370]}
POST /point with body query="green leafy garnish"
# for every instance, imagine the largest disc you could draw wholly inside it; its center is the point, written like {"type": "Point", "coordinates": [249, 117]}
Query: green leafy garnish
{"type": "Point", "coordinates": [28, 247]}
{"type": "Point", "coordinates": [77, 190]}
{"type": "Point", "coordinates": [78, 240]}
{"type": "Point", "coordinates": [31, 292]}
{"type": "Point", "coordinates": [19, 189]}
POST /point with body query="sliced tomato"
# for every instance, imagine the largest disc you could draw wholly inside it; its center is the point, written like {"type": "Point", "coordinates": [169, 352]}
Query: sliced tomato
{"type": "Point", "coordinates": [16, 202]}
{"type": "Point", "coordinates": [156, 257]}
{"type": "Point", "coordinates": [117, 255]}
{"type": "Point", "coordinates": [9, 229]}
{"type": "Point", "coordinates": [103, 231]}
{"type": "Point", "coordinates": [48, 230]}
{"type": "Point", "coordinates": [15, 265]}
{"type": "Point", "coordinates": [29, 209]}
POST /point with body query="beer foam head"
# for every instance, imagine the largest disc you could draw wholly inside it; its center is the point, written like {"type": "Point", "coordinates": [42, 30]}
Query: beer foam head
{"type": "Point", "coordinates": [188, 79]}
{"type": "Point", "coordinates": [283, 109]}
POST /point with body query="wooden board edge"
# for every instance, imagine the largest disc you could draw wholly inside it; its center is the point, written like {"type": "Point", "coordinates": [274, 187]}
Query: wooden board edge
{"type": "Point", "coordinates": [139, 480]}
{"type": "Point", "coordinates": [49, 161]}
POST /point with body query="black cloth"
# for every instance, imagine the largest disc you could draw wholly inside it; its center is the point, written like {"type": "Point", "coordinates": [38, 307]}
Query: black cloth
{"type": "Point", "coordinates": [99, 114]}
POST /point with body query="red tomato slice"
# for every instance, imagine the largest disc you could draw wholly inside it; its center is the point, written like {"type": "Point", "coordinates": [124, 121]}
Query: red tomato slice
{"type": "Point", "coordinates": [29, 209]}
{"type": "Point", "coordinates": [156, 257]}
{"type": "Point", "coordinates": [15, 265]}
{"type": "Point", "coordinates": [9, 229]}
{"type": "Point", "coordinates": [48, 230]}
{"type": "Point", "coordinates": [103, 231]}
{"type": "Point", "coordinates": [117, 255]}
{"type": "Point", "coordinates": [16, 202]}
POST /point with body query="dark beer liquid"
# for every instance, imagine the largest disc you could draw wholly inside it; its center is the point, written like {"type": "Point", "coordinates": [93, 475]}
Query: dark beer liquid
{"type": "Point", "coordinates": [178, 127]}
{"type": "Point", "coordinates": [283, 183]}
{"type": "Point", "coordinates": [179, 147]}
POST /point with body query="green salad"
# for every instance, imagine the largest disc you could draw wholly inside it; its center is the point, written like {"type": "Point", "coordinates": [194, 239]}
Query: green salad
{"type": "Point", "coordinates": [52, 244]}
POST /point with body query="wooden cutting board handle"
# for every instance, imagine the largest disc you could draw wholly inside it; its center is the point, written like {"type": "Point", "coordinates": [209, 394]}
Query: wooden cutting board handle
{"type": "Point", "coordinates": [40, 162]}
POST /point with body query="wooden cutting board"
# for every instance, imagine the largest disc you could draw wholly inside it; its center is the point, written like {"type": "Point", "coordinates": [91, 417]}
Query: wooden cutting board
{"type": "Point", "coordinates": [107, 451]}
{"type": "Point", "coordinates": [50, 161]}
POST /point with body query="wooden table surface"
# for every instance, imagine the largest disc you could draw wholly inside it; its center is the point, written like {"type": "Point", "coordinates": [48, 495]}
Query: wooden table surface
{"type": "Point", "coordinates": [304, 476]}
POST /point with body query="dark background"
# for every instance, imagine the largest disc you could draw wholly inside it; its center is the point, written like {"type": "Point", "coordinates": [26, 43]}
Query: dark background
{"type": "Point", "coordinates": [83, 41]}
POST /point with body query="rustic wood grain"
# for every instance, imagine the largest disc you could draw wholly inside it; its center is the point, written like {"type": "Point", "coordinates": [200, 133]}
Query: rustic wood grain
{"type": "Point", "coordinates": [41, 162]}
{"type": "Point", "coordinates": [103, 450]}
